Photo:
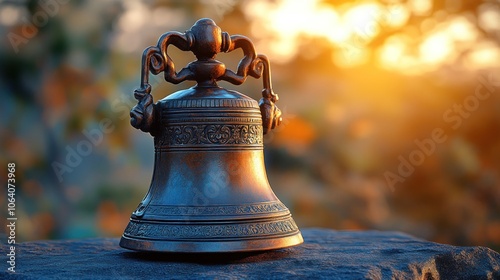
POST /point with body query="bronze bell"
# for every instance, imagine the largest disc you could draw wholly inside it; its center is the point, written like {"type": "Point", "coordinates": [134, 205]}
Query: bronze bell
{"type": "Point", "coordinates": [209, 191]}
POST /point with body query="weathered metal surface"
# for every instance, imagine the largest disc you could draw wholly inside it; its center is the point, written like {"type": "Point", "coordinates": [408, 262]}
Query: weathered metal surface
{"type": "Point", "coordinates": [209, 191]}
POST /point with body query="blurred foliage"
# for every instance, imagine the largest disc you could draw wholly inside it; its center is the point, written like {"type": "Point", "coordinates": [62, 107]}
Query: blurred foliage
{"type": "Point", "coordinates": [359, 81]}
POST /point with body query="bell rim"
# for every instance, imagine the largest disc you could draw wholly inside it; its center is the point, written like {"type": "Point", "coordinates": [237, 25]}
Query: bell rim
{"type": "Point", "coordinates": [207, 246]}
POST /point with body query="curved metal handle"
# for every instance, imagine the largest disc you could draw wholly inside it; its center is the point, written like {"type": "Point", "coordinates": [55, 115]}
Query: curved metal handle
{"type": "Point", "coordinates": [205, 39]}
{"type": "Point", "coordinates": [271, 114]}
{"type": "Point", "coordinates": [256, 66]}
{"type": "Point", "coordinates": [155, 60]}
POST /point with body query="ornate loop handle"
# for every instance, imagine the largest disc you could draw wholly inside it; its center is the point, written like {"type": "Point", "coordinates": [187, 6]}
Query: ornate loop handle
{"type": "Point", "coordinates": [205, 39]}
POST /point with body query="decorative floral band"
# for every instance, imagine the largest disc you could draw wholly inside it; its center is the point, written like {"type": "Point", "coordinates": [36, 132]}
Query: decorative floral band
{"type": "Point", "coordinates": [210, 135]}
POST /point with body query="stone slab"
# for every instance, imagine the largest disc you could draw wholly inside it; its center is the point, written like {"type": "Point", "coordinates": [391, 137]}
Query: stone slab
{"type": "Point", "coordinates": [325, 254]}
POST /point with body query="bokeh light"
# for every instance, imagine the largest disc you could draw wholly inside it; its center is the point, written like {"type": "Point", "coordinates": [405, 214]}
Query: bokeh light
{"type": "Point", "coordinates": [362, 84]}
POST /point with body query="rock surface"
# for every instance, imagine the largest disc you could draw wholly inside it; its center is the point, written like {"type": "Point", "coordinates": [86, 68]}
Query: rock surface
{"type": "Point", "coordinates": [325, 254]}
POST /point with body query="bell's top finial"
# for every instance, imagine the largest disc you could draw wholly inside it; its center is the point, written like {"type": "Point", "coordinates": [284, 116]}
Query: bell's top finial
{"type": "Point", "coordinates": [207, 39]}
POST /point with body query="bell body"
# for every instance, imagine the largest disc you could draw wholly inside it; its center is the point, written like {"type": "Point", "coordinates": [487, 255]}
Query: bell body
{"type": "Point", "coordinates": [209, 191]}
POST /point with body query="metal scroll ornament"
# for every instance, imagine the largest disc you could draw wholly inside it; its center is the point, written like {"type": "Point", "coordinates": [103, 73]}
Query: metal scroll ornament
{"type": "Point", "coordinates": [209, 191]}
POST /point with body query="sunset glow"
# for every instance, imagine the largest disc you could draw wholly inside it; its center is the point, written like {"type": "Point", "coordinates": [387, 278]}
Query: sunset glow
{"type": "Point", "coordinates": [348, 29]}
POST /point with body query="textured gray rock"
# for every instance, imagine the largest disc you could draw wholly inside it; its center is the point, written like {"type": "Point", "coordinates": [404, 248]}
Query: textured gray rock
{"type": "Point", "coordinates": [325, 254]}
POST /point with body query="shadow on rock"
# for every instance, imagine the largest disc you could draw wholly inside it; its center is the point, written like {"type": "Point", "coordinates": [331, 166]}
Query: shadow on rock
{"type": "Point", "coordinates": [212, 258]}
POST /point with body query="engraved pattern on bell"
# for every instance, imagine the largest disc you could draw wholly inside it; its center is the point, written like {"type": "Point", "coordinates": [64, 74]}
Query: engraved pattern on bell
{"type": "Point", "coordinates": [214, 134]}
{"type": "Point", "coordinates": [269, 207]}
{"type": "Point", "coordinates": [222, 231]}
